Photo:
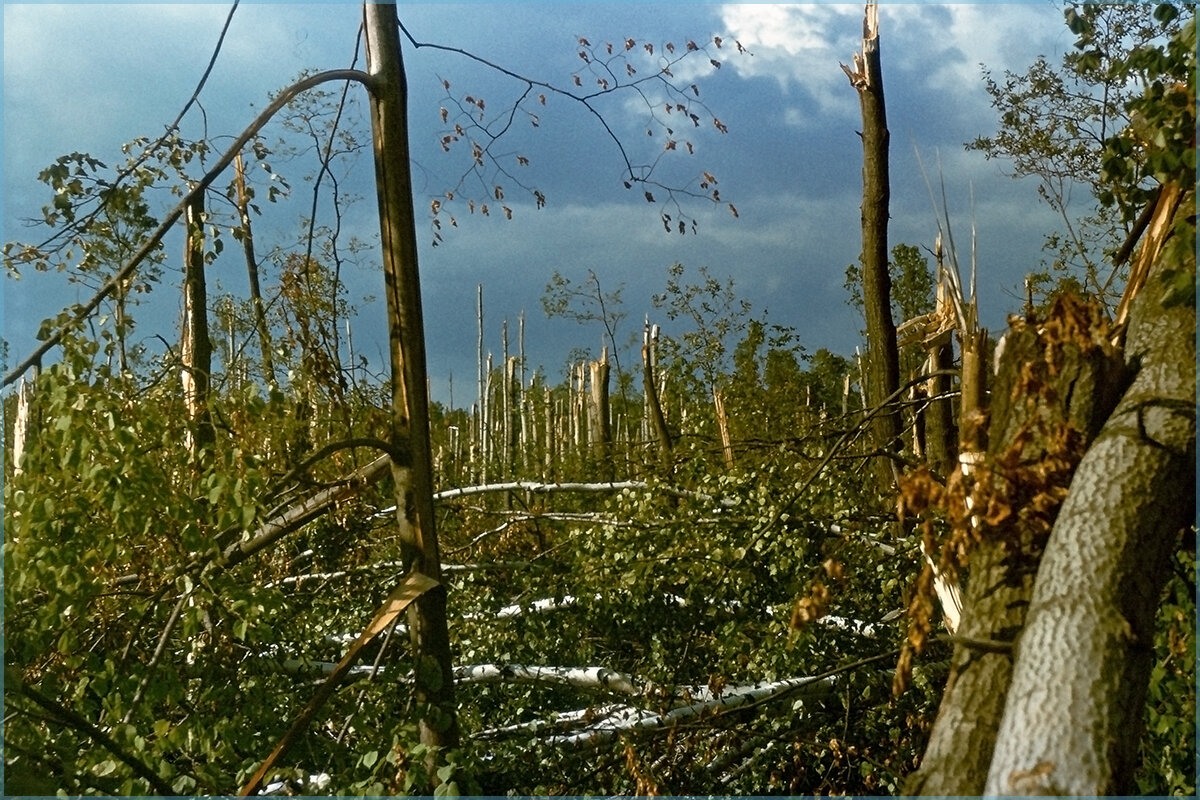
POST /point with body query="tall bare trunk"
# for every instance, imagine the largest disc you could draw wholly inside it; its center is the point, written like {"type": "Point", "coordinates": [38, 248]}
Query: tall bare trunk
{"type": "Point", "coordinates": [256, 302]}
{"type": "Point", "coordinates": [196, 346]}
{"type": "Point", "coordinates": [883, 361]}
{"type": "Point", "coordinates": [512, 414]}
{"type": "Point", "coordinates": [599, 413]}
{"type": "Point", "coordinates": [654, 410]}
{"type": "Point", "coordinates": [411, 458]}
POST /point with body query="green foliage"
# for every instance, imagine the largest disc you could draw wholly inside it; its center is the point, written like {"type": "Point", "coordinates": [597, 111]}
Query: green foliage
{"type": "Point", "coordinates": [122, 607]}
{"type": "Point", "coordinates": [913, 283]}
{"type": "Point", "coordinates": [586, 303]}
{"type": "Point", "coordinates": [1168, 748]}
{"type": "Point", "coordinates": [1057, 124]}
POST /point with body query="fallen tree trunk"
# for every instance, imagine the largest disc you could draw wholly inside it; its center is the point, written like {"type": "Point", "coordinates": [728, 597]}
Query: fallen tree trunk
{"type": "Point", "coordinates": [1076, 700]}
{"type": "Point", "coordinates": [1049, 400]}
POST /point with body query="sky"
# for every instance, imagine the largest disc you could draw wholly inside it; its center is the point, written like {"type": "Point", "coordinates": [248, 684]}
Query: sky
{"type": "Point", "coordinates": [88, 78]}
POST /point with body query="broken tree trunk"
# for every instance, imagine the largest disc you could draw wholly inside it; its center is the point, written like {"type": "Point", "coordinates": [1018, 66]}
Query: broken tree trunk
{"type": "Point", "coordinates": [195, 349]}
{"type": "Point", "coordinates": [599, 413]}
{"type": "Point", "coordinates": [1075, 704]}
{"type": "Point", "coordinates": [1057, 381]}
{"type": "Point", "coordinates": [412, 473]}
{"type": "Point", "coordinates": [723, 427]}
{"type": "Point", "coordinates": [256, 302]}
{"type": "Point", "coordinates": [883, 361]}
{"type": "Point", "coordinates": [23, 423]}
{"type": "Point", "coordinates": [654, 409]}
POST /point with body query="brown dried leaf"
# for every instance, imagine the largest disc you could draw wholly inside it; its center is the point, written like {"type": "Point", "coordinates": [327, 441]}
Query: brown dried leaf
{"type": "Point", "coordinates": [903, 674]}
{"type": "Point", "coordinates": [834, 569]}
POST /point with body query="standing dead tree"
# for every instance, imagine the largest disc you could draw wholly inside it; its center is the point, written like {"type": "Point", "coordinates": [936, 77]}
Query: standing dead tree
{"type": "Point", "coordinates": [195, 345]}
{"type": "Point", "coordinates": [412, 462]}
{"type": "Point", "coordinates": [883, 363]}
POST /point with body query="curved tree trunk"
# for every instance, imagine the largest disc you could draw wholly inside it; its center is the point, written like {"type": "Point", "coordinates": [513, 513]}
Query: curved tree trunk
{"type": "Point", "coordinates": [1075, 704]}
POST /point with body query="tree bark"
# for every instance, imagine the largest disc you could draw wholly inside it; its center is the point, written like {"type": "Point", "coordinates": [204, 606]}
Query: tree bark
{"type": "Point", "coordinates": [1076, 700]}
{"type": "Point", "coordinates": [654, 409]}
{"type": "Point", "coordinates": [434, 680]}
{"type": "Point", "coordinates": [723, 427]}
{"type": "Point", "coordinates": [196, 346]}
{"type": "Point", "coordinates": [1056, 383]}
{"type": "Point", "coordinates": [883, 361]}
{"type": "Point", "coordinates": [599, 413]}
{"type": "Point", "coordinates": [256, 302]}
{"type": "Point", "coordinates": [941, 436]}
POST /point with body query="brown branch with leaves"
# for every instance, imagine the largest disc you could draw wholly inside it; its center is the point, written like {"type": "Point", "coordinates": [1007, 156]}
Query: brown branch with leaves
{"type": "Point", "coordinates": [611, 69]}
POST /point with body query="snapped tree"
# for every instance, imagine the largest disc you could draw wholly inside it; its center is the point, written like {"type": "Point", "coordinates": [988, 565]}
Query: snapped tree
{"type": "Point", "coordinates": [1048, 685]}
{"type": "Point", "coordinates": [883, 364]}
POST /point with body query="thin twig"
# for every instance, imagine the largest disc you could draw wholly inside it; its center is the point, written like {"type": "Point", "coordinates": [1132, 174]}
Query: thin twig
{"type": "Point", "coordinates": [151, 243]}
{"type": "Point", "coordinates": [74, 720]}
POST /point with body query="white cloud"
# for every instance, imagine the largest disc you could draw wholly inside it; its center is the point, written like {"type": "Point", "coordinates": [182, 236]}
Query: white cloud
{"type": "Point", "coordinates": [801, 46]}
{"type": "Point", "coordinates": [798, 45]}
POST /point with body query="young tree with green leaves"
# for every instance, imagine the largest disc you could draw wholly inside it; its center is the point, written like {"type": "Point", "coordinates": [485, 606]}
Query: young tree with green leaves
{"type": "Point", "coordinates": [1055, 121]}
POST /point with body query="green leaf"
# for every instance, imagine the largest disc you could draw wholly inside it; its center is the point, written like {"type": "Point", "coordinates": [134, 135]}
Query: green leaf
{"type": "Point", "coordinates": [1165, 12]}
